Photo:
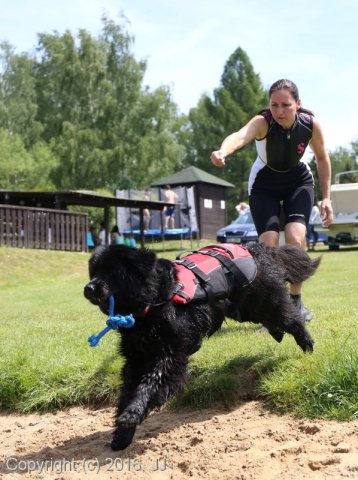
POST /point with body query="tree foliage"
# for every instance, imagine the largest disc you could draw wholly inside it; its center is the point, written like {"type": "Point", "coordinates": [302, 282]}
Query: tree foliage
{"type": "Point", "coordinates": [74, 114]}
{"type": "Point", "coordinates": [238, 98]}
{"type": "Point", "coordinates": [22, 169]}
{"type": "Point", "coordinates": [83, 97]}
{"type": "Point", "coordinates": [18, 105]}
{"type": "Point", "coordinates": [342, 160]}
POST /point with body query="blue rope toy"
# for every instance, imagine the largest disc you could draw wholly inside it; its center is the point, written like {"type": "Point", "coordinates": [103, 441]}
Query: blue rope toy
{"type": "Point", "coordinates": [113, 322]}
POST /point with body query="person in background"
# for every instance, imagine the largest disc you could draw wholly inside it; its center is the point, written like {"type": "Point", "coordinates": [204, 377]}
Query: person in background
{"type": "Point", "coordinates": [92, 238]}
{"type": "Point", "coordinates": [146, 212]}
{"type": "Point", "coordinates": [170, 197]}
{"type": "Point", "coordinates": [242, 208]}
{"type": "Point", "coordinates": [311, 232]}
{"type": "Point", "coordinates": [279, 175]}
{"type": "Point", "coordinates": [116, 237]}
{"type": "Point", "coordinates": [132, 241]}
{"type": "Point", "coordinates": [102, 234]}
{"type": "Point", "coordinates": [129, 240]}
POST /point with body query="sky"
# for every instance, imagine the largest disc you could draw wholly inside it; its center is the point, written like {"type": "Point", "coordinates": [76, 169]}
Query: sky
{"type": "Point", "coordinates": [186, 45]}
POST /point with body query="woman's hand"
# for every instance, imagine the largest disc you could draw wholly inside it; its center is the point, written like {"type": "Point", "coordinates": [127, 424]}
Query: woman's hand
{"type": "Point", "coordinates": [326, 212]}
{"type": "Point", "coordinates": [218, 158]}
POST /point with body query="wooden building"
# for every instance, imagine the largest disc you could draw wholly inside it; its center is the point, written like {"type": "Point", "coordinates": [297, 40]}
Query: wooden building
{"type": "Point", "coordinates": [210, 194]}
{"type": "Point", "coordinates": [41, 219]}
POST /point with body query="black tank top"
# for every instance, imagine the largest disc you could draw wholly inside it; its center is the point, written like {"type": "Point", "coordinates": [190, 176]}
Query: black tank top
{"type": "Point", "coordinates": [285, 147]}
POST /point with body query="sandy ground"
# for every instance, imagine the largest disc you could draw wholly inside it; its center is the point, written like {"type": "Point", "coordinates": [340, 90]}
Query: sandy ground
{"type": "Point", "coordinates": [247, 442]}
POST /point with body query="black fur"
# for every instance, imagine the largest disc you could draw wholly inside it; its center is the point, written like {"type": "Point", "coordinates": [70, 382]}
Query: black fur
{"type": "Point", "coordinates": [157, 348]}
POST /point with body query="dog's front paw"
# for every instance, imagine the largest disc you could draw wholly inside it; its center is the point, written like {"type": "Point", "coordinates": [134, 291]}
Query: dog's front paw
{"type": "Point", "coordinates": [128, 419]}
{"type": "Point", "coordinates": [122, 437]}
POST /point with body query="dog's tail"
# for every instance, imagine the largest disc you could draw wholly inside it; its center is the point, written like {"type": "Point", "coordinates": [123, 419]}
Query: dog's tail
{"type": "Point", "coordinates": [297, 264]}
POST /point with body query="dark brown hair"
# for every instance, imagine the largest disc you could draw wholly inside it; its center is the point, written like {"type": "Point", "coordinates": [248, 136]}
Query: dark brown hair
{"type": "Point", "coordinates": [284, 84]}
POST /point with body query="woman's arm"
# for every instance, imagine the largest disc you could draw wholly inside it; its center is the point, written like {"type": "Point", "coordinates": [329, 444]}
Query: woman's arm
{"type": "Point", "coordinates": [255, 128]}
{"type": "Point", "coordinates": [324, 172]}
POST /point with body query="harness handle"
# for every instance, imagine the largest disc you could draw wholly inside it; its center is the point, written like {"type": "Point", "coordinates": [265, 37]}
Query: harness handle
{"type": "Point", "coordinates": [203, 249]}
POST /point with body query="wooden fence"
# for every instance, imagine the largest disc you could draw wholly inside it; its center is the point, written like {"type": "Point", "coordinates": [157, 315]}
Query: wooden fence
{"type": "Point", "coordinates": [29, 227]}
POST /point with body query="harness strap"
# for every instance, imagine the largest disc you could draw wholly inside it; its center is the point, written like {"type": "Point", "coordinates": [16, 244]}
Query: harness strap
{"type": "Point", "coordinates": [204, 279]}
{"type": "Point", "coordinates": [229, 264]}
{"type": "Point", "coordinates": [182, 294]}
{"type": "Point", "coordinates": [194, 268]}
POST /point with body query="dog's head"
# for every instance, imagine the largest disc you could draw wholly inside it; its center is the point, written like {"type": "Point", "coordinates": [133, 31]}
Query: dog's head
{"type": "Point", "coordinates": [124, 273]}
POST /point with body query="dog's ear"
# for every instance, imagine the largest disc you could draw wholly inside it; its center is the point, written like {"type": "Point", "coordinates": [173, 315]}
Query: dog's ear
{"type": "Point", "coordinates": [134, 259]}
{"type": "Point", "coordinates": [145, 261]}
{"type": "Point", "coordinates": [94, 258]}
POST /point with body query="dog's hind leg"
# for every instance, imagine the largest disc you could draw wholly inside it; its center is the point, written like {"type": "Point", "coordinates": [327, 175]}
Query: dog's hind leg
{"type": "Point", "coordinates": [301, 335]}
{"type": "Point", "coordinates": [291, 322]}
{"type": "Point", "coordinates": [274, 308]}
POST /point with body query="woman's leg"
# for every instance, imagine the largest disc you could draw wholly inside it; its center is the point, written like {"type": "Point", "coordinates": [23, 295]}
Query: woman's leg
{"type": "Point", "coordinates": [270, 238]}
{"type": "Point", "coordinates": [297, 207]}
{"type": "Point", "coordinates": [265, 210]}
{"type": "Point", "coordinates": [295, 234]}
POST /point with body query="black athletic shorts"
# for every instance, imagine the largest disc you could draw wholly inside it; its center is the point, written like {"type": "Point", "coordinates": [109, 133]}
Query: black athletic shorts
{"type": "Point", "coordinates": [273, 193]}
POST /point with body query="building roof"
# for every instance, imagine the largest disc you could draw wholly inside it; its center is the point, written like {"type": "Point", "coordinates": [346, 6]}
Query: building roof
{"type": "Point", "coordinates": [61, 199]}
{"type": "Point", "coordinates": [190, 176]}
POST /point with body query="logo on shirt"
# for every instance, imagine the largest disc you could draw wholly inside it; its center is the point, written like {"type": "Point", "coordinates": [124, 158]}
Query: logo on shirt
{"type": "Point", "coordinates": [301, 147]}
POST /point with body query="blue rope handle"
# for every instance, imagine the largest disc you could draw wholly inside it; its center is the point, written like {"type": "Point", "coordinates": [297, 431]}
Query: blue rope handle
{"type": "Point", "coordinates": [113, 322]}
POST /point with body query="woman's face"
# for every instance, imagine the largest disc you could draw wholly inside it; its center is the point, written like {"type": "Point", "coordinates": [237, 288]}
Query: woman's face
{"type": "Point", "coordinates": [284, 107]}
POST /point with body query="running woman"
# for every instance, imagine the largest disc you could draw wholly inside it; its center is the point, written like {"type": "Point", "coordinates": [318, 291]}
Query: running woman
{"type": "Point", "coordinates": [279, 176]}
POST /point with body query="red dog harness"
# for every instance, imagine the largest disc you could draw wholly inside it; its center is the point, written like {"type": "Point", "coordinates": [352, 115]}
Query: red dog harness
{"type": "Point", "coordinates": [212, 272]}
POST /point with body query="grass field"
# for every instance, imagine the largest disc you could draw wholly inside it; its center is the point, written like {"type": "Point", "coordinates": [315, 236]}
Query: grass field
{"type": "Point", "coordinates": [46, 363]}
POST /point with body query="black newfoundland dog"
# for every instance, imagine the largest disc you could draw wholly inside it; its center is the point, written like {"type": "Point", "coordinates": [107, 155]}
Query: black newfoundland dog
{"type": "Point", "coordinates": [166, 332]}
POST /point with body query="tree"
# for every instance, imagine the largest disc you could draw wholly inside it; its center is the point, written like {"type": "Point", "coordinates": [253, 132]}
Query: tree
{"type": "Point", "coordinates": [21, 169]}
{"type": "Point", "coordinates": [154, 150]}
{"type": "Point", "coordinates": [18, 102]}
{"type": "Point", "coordinates": [85, 92]}
{"type": "Point", "coordinates": [105, 129]}
{"type": "Point", "coordinates": [238, 98]}
{"type": "Point", "coordinates": [354, 146]}
{"type": "Point", "coordinates": [342, 160]}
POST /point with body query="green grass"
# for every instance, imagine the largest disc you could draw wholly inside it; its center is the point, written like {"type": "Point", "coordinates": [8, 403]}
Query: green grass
{"type": "Point", "coordinates": [324, 384]}
{"type": "Point", "coordinates": [46, 363]}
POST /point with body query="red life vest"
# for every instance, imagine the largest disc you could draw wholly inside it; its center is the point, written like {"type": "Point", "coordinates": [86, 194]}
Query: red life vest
{"type": "Point", "coordinates": [213, 272]}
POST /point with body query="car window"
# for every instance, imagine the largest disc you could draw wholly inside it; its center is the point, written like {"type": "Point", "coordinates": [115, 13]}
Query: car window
{"type": "Point", "coordinates": [245, 218]}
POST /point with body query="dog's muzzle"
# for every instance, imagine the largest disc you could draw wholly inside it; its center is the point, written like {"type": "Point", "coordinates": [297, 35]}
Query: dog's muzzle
{"type": "Point", "coordinates": [96, 292]}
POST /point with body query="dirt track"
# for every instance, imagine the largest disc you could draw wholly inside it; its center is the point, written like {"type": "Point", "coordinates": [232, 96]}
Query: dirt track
{"type": "Point", "coordinates": [245, 443]}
